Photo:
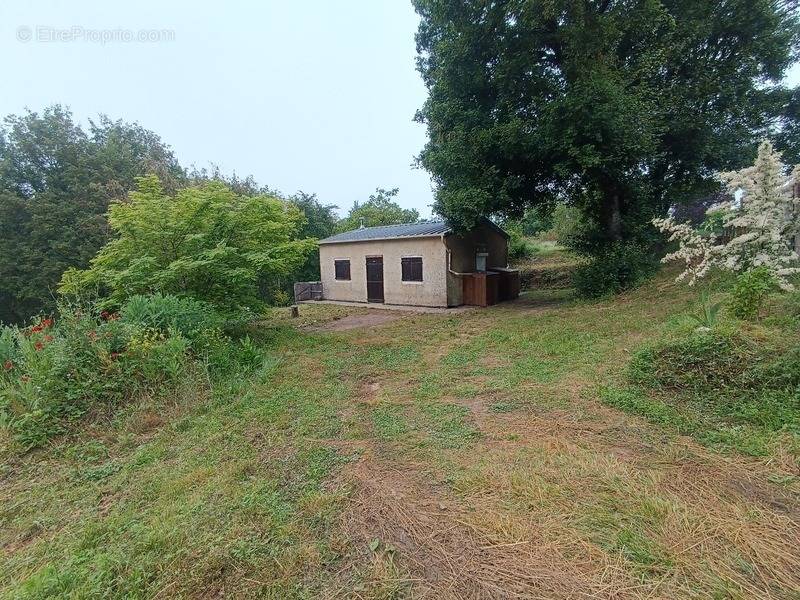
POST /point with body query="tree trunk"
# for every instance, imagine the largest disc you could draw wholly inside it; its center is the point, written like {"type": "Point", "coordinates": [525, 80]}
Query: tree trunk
{"type": "Point", "coordinates": [611, 213]}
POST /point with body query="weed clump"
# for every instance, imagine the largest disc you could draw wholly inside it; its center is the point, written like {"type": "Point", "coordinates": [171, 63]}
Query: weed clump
{"type": "Point", "coordinates": [728, 387]}
{"type": "Point", "coordinates": [56, 370]}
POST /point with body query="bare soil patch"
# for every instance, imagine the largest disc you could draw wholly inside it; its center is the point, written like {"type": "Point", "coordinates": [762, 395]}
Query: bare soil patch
{"type": "Point", "coordinates": [372, 319]}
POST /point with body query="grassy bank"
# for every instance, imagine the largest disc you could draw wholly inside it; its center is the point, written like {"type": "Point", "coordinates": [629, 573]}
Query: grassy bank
{"type": "Point", "coordinates": [449, 455]}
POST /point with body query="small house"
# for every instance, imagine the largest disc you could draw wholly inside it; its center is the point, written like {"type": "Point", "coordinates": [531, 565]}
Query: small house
{"type": "Point", "coordinates": [418, 264]}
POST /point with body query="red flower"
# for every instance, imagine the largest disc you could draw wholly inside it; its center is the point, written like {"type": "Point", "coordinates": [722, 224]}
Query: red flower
{"type": "Point", "coordinates": [42, 325]}
{"type": "Point", "coordinates": [48, 338]}
{"type": "Point", "coordinates": [38, 345]}
{"type": "Point", "coordinates": [115, 355]}
{"type": "Point", "coordinates": [8, 365]}
{"type": "Point", "coordinates": [107, 316]}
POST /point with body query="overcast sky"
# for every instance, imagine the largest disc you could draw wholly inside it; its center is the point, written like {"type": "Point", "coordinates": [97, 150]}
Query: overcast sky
{"type": "Point", "coordinates": [314, 95]}
{"type": "Point", "coordinates": [308, 95]}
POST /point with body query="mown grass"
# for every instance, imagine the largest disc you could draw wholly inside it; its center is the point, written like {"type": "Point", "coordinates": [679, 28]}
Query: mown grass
{"type": "Point", "coordinates": [514, 416]}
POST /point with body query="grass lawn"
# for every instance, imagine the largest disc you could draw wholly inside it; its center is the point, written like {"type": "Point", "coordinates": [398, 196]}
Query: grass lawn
{"type": "Point", "coordinates": [489, 453]}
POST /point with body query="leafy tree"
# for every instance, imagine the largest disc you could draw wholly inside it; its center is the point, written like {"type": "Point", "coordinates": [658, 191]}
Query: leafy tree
{"type": "Point", "coordinates": [321, 220]}
{"type": "Point", "coordinates": [537, 220]}
{"type": "Point", "coordinates": [380, 209]}
{"type": "Point", "coordinates": [764, 220]}
{"type": "Point", "coordinates": [56, 183]}
{"type": "Point", "coordinates": [244, 186]}
{"type": "Point", "coordinates": [206, 243]}
{"type": "Point", "coordinates": [618, 107]}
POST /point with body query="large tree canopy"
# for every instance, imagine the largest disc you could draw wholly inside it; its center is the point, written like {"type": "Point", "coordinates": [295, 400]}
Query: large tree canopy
{"type": "Point", "coordinates": [379, 209]}
{"type": "Point", "coordinates": [617, 106]}
{"type": "Point", "coordinates": [56, 182]}
{"type": "Point", "coordinates": [206, 242]}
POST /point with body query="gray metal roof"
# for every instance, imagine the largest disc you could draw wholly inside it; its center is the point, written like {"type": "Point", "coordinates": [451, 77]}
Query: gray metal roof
{"type": "Point", "coordinates": [388, 232]}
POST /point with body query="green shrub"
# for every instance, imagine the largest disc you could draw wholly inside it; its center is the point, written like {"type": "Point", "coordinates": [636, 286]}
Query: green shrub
{"type": "Point", "coordinates": [568, 225]}
{"type": "Point", "coordinates": [726, 388]}
{"type": "Point", "coordinates": [519, 247]}
{"type": "Point", "coordinates": [281, 298]}
{"type": "Point", "coordinates": [224, 356]}
{"type": "Point", "coordinates": [166, 313]}
{"type": "Point", "coordinates": [618, 268]}
{"type": "Point", "coordinates": [701, 360]}
{"type": "Point", "coordinates": [54, 372]}
{"type": "Point", "coordinates": [750, 291]}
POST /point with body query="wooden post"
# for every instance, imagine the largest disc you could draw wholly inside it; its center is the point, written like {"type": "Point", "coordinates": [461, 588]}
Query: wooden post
{"type": "Point", "coordinates": [295, 311]}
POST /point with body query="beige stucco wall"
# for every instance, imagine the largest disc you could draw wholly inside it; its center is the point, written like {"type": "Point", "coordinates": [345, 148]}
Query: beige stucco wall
{"type": "Point", "coordinates": [432, 291]}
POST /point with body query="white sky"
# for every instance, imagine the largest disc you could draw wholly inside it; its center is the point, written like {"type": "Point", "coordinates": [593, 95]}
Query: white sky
{"type": "Point", "coordinates": [316, 95]}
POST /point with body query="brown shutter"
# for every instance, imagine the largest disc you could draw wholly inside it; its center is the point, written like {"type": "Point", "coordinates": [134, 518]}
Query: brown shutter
{"type": "Point", "coordinates": [341, 269]}
{"type": "Point", "coordinates": [411, 268]}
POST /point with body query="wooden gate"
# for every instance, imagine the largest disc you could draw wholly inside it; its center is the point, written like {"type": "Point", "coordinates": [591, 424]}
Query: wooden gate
{"type": "Point", "coordinates": [374, 279]}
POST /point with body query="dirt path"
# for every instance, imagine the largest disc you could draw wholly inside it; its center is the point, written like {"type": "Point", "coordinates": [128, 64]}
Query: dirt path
{"type": "Point", "coordinates": [517, 529]}
{"type": "Point", "coordinates": [371, 319]}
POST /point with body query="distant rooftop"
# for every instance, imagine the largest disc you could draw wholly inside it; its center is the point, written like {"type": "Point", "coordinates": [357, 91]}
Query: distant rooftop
{"type": "Point", "coordinates": [388, 232]}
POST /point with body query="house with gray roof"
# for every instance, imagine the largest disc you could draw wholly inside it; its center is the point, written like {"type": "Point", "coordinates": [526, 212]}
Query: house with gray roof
{"type": "Point", "coordinates": [418, 264]}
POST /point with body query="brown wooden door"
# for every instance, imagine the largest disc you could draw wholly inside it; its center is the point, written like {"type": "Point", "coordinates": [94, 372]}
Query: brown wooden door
{"type": "Point", "coordinates": [375, 279]}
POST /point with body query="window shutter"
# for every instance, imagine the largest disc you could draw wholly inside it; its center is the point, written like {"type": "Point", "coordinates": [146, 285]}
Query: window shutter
{"type": "Point", "coordinates": [411, 268]}
{"type": "Point", "coordinates": [341, 269]}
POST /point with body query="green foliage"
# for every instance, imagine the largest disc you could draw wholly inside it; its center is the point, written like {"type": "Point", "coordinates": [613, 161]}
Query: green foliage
{"type": "Point", "coordinates": [380, 209]}
{"type": "Point", "coordinates": [537, 220]}
{"type": "Point", "coordinates": [519, 247]}
{"type": "Point", "coordinates": [619, 267]}
{"type": "Point", "coordinates": [698, 361]}
{"type": "Point", "coordinates": [707, 314]}
{"type": "Point", "coordinates": [56, 183]}
{"type": "Point", "coordinates": [53, 373]}
{"type": "Point", "coordinates": [750, 291]}
{"type": "Point", "coordinates": [281, 298]}
{"type": "Point", "coordinates": [320, 222]}
{"type": "Point", "coordinates": [723, 386]}
{"type": "Point", "coordinates": [567, 225]}
{"type": "Point", "coordinates": [599, 103]}
{"type": "Point", "coordinates": [187, 316]}
{"type": "Point", "coordinates": [206, 243]}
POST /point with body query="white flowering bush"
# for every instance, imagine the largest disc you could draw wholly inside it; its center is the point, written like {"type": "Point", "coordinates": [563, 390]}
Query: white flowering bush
{"type": "Point", "coordinates": [765, 216]}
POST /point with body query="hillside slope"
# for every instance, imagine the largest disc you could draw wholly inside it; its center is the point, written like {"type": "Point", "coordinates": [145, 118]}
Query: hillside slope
{"type": "Point", "coordinates": [439, 456]}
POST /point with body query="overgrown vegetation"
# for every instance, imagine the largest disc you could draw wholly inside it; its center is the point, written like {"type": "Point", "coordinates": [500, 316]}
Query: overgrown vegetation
{"type": "Point", "coordinates": [730, 385]}
{"type": "Point", "coordinates": [86, 360]}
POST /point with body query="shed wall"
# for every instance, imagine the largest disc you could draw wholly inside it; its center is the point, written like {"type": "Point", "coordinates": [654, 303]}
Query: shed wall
{"type": "Point", "coordinates": [431, 291]}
